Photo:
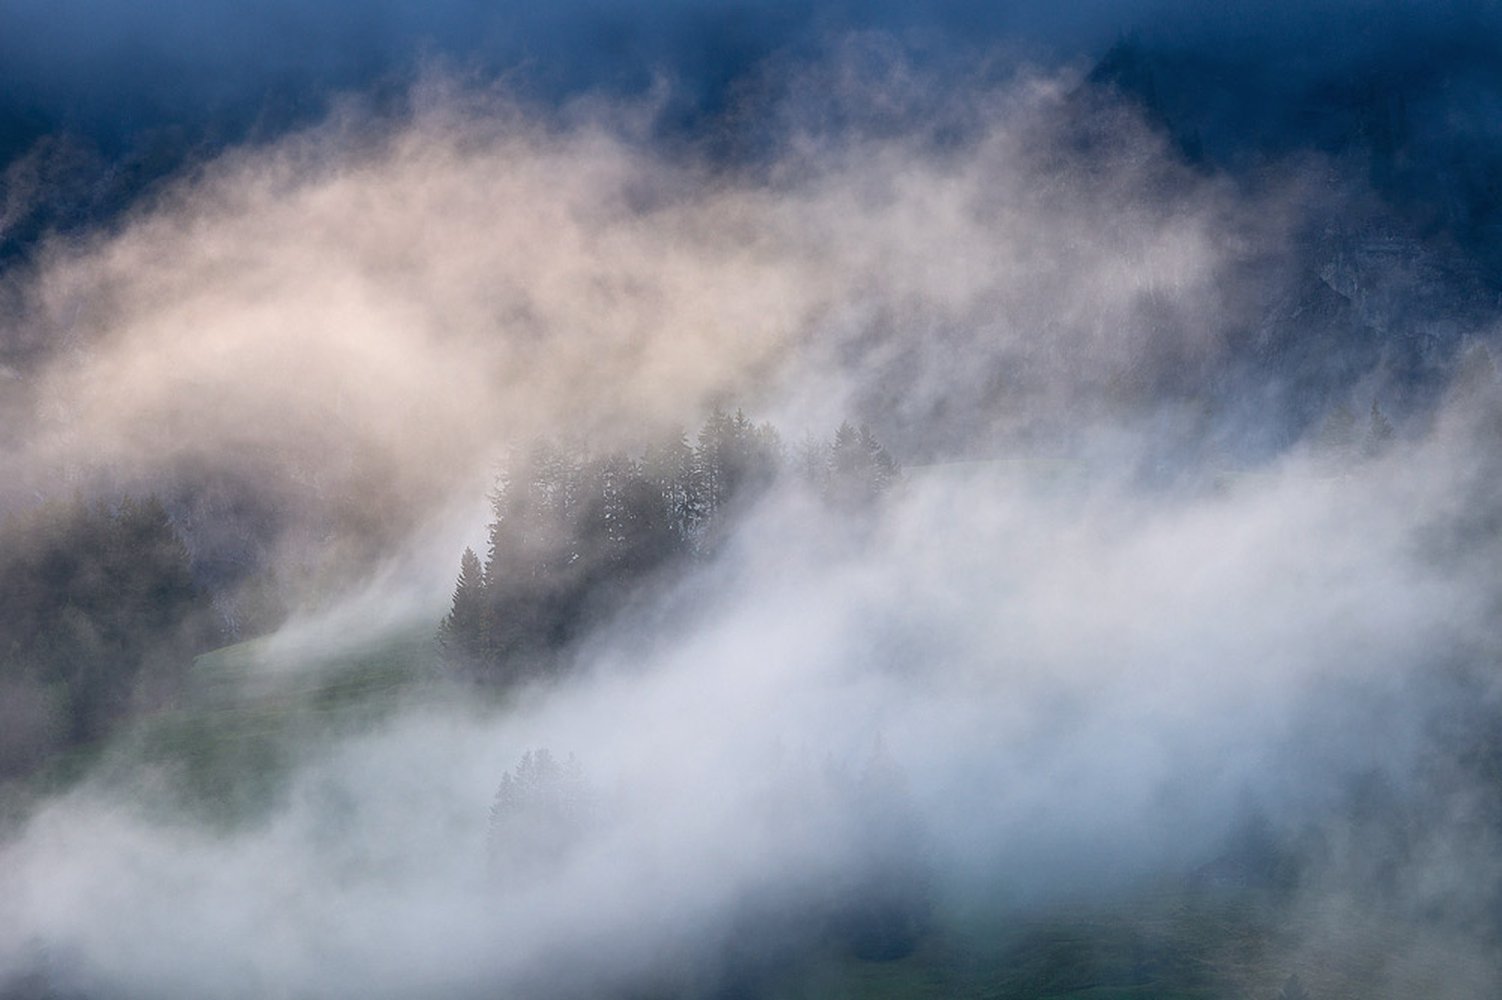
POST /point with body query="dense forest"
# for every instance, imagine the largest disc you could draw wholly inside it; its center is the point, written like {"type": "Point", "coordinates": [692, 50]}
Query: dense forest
{"type": "Point", "coordinates": [576, 535]}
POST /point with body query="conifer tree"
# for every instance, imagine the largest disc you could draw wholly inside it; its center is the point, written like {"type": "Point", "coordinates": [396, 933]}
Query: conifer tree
{"type": "Point", "coordinates": [860, 469]}
{"type": "Point", "coordinates": [463, 631]}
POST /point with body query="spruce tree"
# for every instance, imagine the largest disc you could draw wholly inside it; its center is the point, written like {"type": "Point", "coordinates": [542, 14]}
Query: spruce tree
{"type": "Point", "coordinates": [463, 631]}
{"type": "Point", "coordinates": [860, 469]}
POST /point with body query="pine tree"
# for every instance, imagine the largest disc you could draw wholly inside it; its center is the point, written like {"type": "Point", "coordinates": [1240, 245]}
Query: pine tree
{"type": "Point", "coordinates": [541, 811]}
{"type": "Point", "coordinates": [860, 469]}
{"type": "Point", "coordinates": [669, 467]}
{"type": "Point", "coordinates": [463, 631]}
{"type": "Point", "coordinates": [735, 460]}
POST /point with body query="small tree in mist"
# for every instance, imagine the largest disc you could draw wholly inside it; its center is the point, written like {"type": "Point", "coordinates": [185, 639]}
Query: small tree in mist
{"type": "Point", "coordinates": [542, 810]}
{"type": "Point", "coordinates": [859, 468]}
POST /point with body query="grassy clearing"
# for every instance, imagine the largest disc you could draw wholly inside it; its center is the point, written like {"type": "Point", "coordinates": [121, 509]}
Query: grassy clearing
{"type": "Point", "coordinates": [1173, 941]}
{"type": "Point", "coordinates": [230, 744]}
{"type": "Point", "coordinates": [222, 751]}
{"type": "Point", "coordinates": [223, 755]}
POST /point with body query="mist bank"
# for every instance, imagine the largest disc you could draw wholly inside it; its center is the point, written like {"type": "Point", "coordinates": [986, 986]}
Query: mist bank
{"type": "Point", "coordinates": [1078, 686]}
{"type": "Point", "coordinates": [1196, 530]}
{"type": "Point", "coordinates": [342, 330]}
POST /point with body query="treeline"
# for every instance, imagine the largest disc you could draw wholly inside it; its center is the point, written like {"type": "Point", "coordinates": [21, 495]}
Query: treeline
{"type": "Point", "coordinates": [575, 532]}
{"type": "Point", "coordinates": [99, 616]}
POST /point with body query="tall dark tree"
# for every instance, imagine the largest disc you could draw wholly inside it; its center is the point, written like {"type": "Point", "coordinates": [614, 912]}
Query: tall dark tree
{"type": "Point", "coordinates": [669, 467]}
{"type": "Point", "coordinates": [735, 460]}
{"type": "Point", "coordinates": [463, 631]}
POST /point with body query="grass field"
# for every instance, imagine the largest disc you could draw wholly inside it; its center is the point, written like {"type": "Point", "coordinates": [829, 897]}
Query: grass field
{"type": "Point", "coordinates": [1171, 941]}
{"type": "Point", "coordinates": [227, 747]}
{"type": "Point", "coordinates": [245, 716]}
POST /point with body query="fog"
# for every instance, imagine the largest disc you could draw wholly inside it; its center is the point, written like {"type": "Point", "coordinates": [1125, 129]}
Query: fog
{"type": "Point", "coordinates": [1124, 601]}
{"type": "Point", "coordinates": [1079, 691]}
{"type": "Point", "coordinates": [381, 309]}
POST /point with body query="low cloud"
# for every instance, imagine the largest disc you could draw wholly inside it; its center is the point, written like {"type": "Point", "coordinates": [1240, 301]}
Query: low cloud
{"type": "Point", "coordinates": [1089, 654]}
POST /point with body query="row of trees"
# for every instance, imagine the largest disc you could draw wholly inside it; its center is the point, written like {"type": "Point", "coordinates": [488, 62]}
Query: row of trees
{"type": "Point", "coordinates": [574, 532]}
{"type": "Point", "coordinates": [99, 614]}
